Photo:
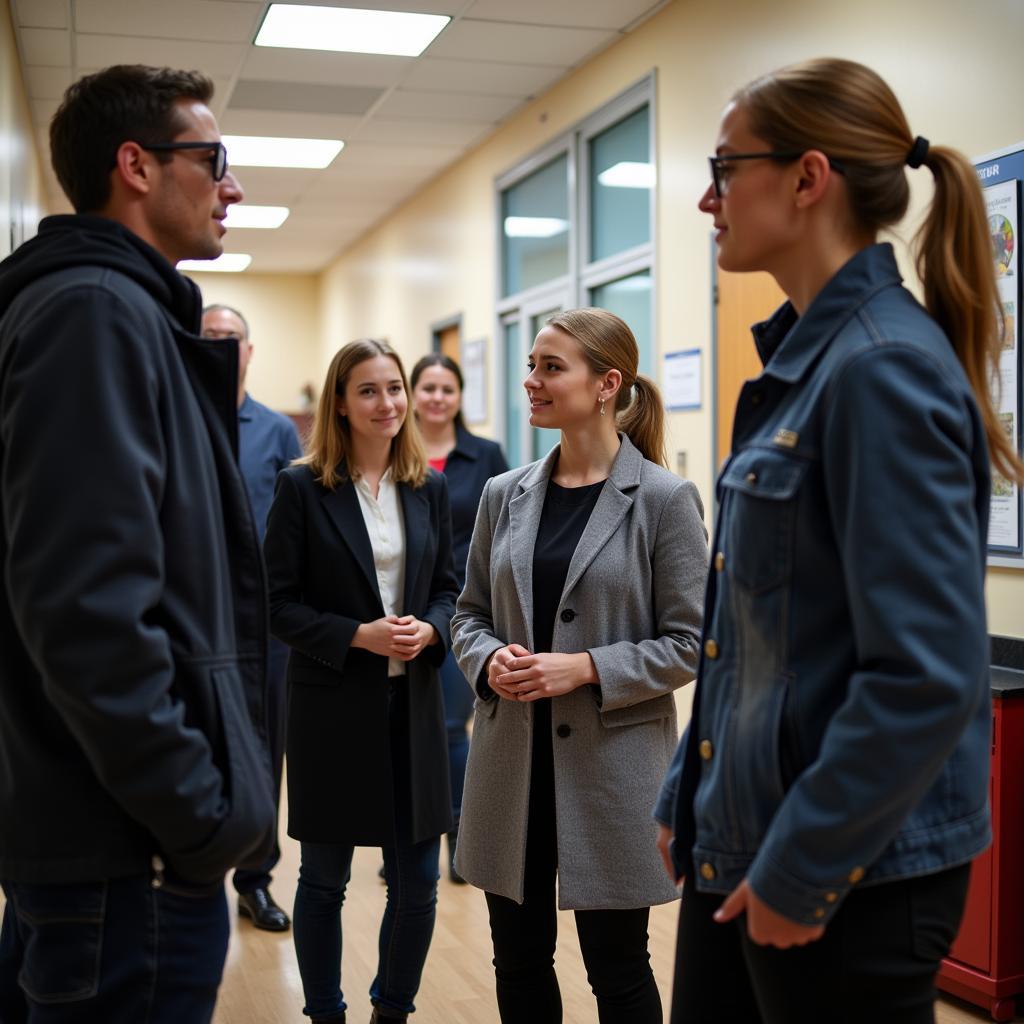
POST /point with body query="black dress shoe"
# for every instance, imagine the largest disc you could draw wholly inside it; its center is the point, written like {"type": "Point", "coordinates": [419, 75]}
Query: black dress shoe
{"type": "Point", "coordinates": [380, 1017]}
{"type": "Point", "coordinates": [265, 913]}
{"type": "Point", "coordinates": [453, 875]}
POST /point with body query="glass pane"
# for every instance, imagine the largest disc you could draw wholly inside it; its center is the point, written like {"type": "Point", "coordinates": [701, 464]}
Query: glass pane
{"type": "Point", "coordinates": [621, 179]}
{"type": "Point", "coordinates": [543, 439]}
{"type": "Point", "coordinates": [514, 374]}
{"type": "Point", "coordinates": [535, 228]}
{"type": "Point", "coordinates": [630, 298]}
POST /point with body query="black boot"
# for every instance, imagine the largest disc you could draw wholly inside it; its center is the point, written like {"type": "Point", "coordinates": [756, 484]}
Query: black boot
{"type": "Point", "coordinates": [453, 838]}
{"type": "Point", "coordinates": [328, 1020]}
{"type": "Point", "coordinates": [380, 1017]}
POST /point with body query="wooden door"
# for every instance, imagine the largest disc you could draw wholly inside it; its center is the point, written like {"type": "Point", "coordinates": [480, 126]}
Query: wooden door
{"type": "Point", "coordinates": [446, 342]}
{"type": "Point", "coordinates": [741, 300]}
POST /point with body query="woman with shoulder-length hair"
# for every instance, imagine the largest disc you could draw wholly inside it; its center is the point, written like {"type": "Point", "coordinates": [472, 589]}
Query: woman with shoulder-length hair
{"type": "Point", "coordinates": [579, 618]}
{"type": "Point", "coordinates": [835, 771]}
{"type": "Point", "coordinates": [468, 462]}
{"type": "Point", "coordinates": [362, 589]}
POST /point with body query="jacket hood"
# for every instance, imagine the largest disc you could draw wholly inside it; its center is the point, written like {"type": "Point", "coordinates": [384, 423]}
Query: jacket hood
{"type": "Point", "coordinates": [76, 240]}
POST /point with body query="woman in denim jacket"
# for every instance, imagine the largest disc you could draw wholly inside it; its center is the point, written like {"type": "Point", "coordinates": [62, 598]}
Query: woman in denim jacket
{"type": "Point", "coordinates": [832, 784]}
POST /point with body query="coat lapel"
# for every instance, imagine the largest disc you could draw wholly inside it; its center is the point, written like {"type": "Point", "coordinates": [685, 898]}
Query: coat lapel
{"type": "Point", "coordinates": [611, 508]}
{"type": "Point", "coordinates": [524, 511]}
{"type": "Point", "coordinates": [342, 505]}
{"type": "Point", "coordinates": [416, 515]}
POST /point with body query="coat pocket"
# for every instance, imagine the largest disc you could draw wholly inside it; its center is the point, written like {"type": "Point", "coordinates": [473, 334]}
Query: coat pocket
{"type": "Point", "coordinates": [759, 490]}
{"type": "Point", "coordinates": [646, 711]}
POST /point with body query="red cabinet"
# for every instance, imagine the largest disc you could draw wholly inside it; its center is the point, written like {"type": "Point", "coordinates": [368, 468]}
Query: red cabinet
{"type": "Point", "coordinates": [986, 964]}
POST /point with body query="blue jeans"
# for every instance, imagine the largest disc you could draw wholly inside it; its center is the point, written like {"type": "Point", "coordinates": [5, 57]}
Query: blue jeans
{"type": "Point", "coordinates": [410, 870]}
{"type": "Point", "coordinates": [458, 709]}
{"type": "Point", "coordinates": [117, 951]}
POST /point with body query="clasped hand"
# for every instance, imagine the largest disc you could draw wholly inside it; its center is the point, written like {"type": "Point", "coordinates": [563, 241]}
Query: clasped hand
{"type": "Point", "coordinates": [513, 673]}
{"type": "Point", "coordinates": [395, 636]}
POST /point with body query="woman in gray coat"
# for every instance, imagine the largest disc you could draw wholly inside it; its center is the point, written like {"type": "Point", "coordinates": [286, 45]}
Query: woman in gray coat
{"type": "Point", "coordinates": [580, 616]}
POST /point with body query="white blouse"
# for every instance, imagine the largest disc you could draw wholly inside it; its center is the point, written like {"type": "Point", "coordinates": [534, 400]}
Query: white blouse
{"type": "Point", "coordinates": [383, 518]}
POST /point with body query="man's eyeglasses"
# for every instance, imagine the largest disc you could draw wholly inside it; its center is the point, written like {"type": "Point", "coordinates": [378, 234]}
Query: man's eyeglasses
{"type": "Point", "coordinates": [719, 164]}
{"type": "Point", "coordinates": [218, 154]}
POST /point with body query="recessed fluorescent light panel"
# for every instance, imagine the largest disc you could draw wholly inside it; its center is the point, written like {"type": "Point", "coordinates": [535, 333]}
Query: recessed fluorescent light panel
{"type": "Point", "coordinates": [265, 151]}
{"type": "Point", "coordinates": [347, 30]}
{"type": "Point", "coordinates": [246, 216]}
{"type": "Point", "coordinates": [627, 174]}
{"type": "Point", "coordinates": [228, 263]}
{"type": "Point", "coordinates": [535, 227]}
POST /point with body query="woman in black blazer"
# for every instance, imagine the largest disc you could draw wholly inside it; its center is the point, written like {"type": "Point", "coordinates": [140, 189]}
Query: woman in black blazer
{"type": "Point", "coordinates": [362, 588]}
{"type": "Point", "coordinates": [467, 462]}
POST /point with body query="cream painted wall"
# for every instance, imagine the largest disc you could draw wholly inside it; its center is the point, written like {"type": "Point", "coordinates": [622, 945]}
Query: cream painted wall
{"type": "Point", "coordinates": [283, 312]}
{"type": "Point", "coordinates": [22, 191]}
{"type": "Point", "coordinates": [435, 256]}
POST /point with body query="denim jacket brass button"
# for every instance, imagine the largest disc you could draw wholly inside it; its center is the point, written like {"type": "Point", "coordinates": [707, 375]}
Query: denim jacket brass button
{"type": "Point", "coordinates": [856, 875]}
{"type": "Point", "coordinates": [719, 562]}
{"type": "Point", "coordinates": [831, 897]}
{"type": "Point", "coordinates": [711, 649]}
{"type": "Point", "coordinates": [707, 872]}
{"type": "Point", "coordinates": [751, 478]}
{"type": "Point", "coordinates": [706, 750]}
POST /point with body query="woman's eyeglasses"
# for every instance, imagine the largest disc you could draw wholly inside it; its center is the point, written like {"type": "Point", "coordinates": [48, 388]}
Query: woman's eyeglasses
{"type": "Point", "coordinates": [719, 164]}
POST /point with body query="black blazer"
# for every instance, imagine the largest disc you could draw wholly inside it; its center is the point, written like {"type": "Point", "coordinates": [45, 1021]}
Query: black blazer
{"type": "Point", "coordinates": [470, 464]}
{"type": "Point", "coordinates": [323, 584]}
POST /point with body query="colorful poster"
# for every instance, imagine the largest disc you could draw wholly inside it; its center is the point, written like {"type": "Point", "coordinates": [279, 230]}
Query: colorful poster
{"type": "Point", "coordinates": [1002, 202]}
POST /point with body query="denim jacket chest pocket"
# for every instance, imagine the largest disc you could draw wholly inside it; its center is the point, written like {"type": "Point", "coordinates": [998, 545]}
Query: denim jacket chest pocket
{"type": "Point", "coordinates": [759, 489]}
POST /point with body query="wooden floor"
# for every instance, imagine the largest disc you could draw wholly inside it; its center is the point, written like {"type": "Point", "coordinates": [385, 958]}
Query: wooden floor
{"type": "Point", "coordinates": [261, 981]}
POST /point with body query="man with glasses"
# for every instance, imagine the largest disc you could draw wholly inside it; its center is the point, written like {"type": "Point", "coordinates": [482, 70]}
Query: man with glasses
{"type": "Point", "coordinates": [133, 628]}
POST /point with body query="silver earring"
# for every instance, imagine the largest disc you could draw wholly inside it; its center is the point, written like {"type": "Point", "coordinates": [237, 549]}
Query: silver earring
{"type": "Point", "coordinates": [601, 403]}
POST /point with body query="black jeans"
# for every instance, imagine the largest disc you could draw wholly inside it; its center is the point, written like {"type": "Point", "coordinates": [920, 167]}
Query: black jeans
{"type": "Point", "coordinates": [875, 964]}
{"type": "Point", "coordinates": [613, 942]}
{"type": "Point", "coordinates": [116, 951]}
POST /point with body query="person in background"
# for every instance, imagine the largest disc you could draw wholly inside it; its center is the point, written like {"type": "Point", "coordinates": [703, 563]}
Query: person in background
{"type": "Point", "coordinates": [133, 619]}
{"type": "Point", "coordinates": [267, 442]}
{"type": "Point", "coordinates": [467, 462]}
{"type": "Point", "coordinates": [579, 618]}
{"type": "Point", "coordinates": [362, 588]}
{"type": "Point", "coordinates": [834, 777]}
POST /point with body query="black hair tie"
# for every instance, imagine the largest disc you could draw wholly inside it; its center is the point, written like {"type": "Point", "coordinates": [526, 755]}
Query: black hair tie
{"type": "Point", "coordinates": [918, 152]}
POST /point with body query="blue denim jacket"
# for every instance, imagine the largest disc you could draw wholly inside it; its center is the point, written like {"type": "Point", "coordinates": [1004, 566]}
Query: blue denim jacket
{"type": "Point", "coordinates": [840, 732]}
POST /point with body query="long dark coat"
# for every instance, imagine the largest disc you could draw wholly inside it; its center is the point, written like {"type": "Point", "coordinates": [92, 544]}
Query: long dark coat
{"type": "Point", "coordinates": [322, 586]}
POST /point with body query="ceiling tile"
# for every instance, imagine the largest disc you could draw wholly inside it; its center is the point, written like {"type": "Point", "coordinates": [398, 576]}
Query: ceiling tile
{"type": "Point", "coordinates": [49, 47]}
{"type": "Point", "coordinates": [489, 40]}
{"type": "Point", "coordinates": [447, 106]}
{"type": "Point", "coordinates": [212, 21]}
{"type": "Point", "coordinates": [607, 14]}
{"type": "Point", "coordinates": [47, 83]}
{"type": "Point", "coordinates": [43, 110]}
{"type": "Point", "coordinates": [449, 7]}
{"type": "Point", "coordinates": [41, 13]}
{"type": "Point", "coordinates": [431, 133]}
{"type": "Point", "coordinates": [360, 152]}
{"type": "Point", "coordinates": [484, 78]}
{"type": "Point", "coordinates": [289, 126]}
{"type": "Point", "coordinates": [303, 97]}
{"type": "Point", "coordinates": [279, 65]}
{"type": "Point", "coordinates": [101, 51]}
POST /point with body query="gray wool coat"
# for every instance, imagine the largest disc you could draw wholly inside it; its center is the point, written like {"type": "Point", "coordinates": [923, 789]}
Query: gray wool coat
{"type": "Point", "coordinates": [633, 599]}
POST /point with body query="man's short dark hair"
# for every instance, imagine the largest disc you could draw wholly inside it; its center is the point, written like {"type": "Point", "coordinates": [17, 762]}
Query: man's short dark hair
{"type": "Point", "coordinates": [127, 102]}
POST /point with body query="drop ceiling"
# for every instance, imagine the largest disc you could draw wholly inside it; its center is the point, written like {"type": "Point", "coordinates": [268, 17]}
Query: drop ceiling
{"type": "Point", "coordinates": [403, 119]}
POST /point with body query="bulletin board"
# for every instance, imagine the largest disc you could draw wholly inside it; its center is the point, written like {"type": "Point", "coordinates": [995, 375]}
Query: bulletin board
{"type": "Point", "coordinates": [1001, 174]}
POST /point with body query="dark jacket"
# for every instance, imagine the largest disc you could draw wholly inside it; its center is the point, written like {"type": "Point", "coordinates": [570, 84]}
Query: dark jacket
{"type": "Point", "coordinates": [323, 584]}
{"type": "Point", "coordinates": [132, 612]}
{"type": "Point", "coordinates": [840, 730]}
{"type": "Point", "coordinates": [470, 464]}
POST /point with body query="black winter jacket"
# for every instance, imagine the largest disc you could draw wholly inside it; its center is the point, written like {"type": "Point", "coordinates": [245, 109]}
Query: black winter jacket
{"type": "Point", "coordinates": [133, 621]}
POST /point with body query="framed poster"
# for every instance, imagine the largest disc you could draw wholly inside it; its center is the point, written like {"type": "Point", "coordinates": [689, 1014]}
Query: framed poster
{"type": "Point", "coordinates": [474, 373]}
{"type": "Point", "coordinates": [1000, 175]}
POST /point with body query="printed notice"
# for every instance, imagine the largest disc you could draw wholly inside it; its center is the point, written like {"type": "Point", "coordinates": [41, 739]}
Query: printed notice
{"type": "Point", "coordinates": [680, 379]}
{"type": "Point", "coordinates": [474, 373]}
{"type": "Point", "coordinates": [1002, 208]}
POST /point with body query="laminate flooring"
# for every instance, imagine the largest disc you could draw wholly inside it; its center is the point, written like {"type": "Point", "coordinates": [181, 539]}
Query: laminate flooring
{"type": "Point", "coordinates": [261, 980]}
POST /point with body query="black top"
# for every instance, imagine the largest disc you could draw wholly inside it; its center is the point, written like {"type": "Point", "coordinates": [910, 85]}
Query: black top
{"type": "Point", "coordinates": [562, 522]}
{"type": "Point", "coordinates": [470, 464]}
